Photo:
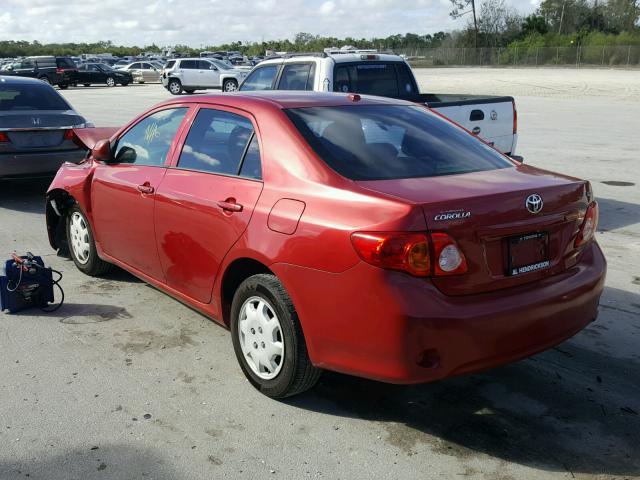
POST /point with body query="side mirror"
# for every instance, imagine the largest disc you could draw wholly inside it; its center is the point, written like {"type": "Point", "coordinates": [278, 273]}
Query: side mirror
{"type": "Point", "coordinates": [126, 155]}
{"type": "Point", "coordinates": [102, 151]}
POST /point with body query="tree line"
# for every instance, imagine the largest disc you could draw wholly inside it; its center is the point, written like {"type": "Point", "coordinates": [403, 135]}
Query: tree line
{"type": "Point", "coordinates": [492, 23]}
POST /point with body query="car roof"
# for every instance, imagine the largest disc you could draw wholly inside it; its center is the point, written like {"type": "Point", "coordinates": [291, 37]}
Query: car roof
{"type": "Point", "coordinates": [284, 99]}
{"type": "Point", "coordinates": [337, 57]}
{"type": "Point", "coordinates": [13, 80]}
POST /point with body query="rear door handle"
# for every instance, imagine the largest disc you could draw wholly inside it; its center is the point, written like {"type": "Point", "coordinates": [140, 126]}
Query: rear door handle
{"type": "Point", "coordinates": [230, 205]}
{"type": "Point", "coordinates": [145, 188]}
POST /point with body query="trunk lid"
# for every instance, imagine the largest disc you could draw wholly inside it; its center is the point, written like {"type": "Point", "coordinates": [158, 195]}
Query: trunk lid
{"type": "Point", "coordinates": [38, 130]}
{"type": "Point", "coordinates": [485, 213]}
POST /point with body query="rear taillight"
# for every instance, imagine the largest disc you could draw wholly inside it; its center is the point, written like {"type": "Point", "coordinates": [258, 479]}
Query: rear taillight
{"type": "Point", "coordinates": [589, 225]}
{"type": "Point", "coordinates": [59, 70]}
{"type": "Point", "coordinates": [4, 137]}
{"type": "Point", "coordinates": [416, 253]}
{"type": "Point", "coordinates": [515, 117]}
{"type": "Point", "coordinates": [68, 134]}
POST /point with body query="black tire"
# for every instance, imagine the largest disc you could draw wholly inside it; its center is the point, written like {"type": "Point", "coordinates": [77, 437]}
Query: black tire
{"type": "Point", "coordinates": [63, 86]}
{"type": "Point", "coordinates": [189, 91]}
{"type": "Point", "coordinates": [110, 81]}
{"type": "Point", "coordinates": [230, 85]}
{"type": "Point", "coordinates": [94, 265]}
{"type": "Point", "coordinates": [297, 374]}
{"type": "Point", "coordinates": [86, 84]}
{"type": "Point", "coordinates": [44, 79]}
{"type": "Point", "coordinates": [174, 86]}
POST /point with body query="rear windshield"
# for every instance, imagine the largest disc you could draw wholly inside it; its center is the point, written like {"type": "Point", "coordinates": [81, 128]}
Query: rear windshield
{"type": "Point", "coordinates": [33, 96]}
{"type": "Point", "coordinates": [65, 63]}
{"type": "Point", "coordinates": [380, 142]}
{"type": "Point", "coordinates": [385, 79]}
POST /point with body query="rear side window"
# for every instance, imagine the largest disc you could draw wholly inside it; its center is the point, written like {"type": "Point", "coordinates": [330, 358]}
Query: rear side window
{"type": "Point", "coordinates": [380, 142]}
{"type": "Point", "coordinates": [65, 63]}
{"type": "Point", "coordinates": [383, 79]}
{"type": "Point", "coordinates": [189, 64]}
{"type": "Point", "coordinates": [260, 78]}
{"type": "Point", "coordinates": [32, 96]}
{"type": "Point", "coordinates": [170, 64]}
{"type": "Point", "coordinates": [297, 76]}
{"type": "Point", "coordinates": [148, 142]}
{"type": "Point", "coordinates": [217, 143]}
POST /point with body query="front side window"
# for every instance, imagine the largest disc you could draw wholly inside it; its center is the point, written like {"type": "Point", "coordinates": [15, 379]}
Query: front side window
{"type": "Point", "coordinates": [297, 76]}
{"type": "Point", "coordinates": [148, 142]}
{"type": "Point", "coordinates": [260, 79]}
{"type": "Point", "coordinates": [217, 143]}
{"type": "Point", "coordinates": [381, 142]}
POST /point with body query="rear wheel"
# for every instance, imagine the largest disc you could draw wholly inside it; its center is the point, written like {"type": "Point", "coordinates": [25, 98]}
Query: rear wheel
{"type": "Point", "coordinates": [174, 86]}
{"type": "Point", "coordinates": [63, 86]}
{"type": "Point", "coordinates": [230, 86]}
{"type": "Point", "coordinates": [268, 339]}
{"type": "Point", "coordinates": [44, 79]}
{"type": "Point", "coordinates": [111, 82]}
{"type": "Point", "coordinates": [81, 244]}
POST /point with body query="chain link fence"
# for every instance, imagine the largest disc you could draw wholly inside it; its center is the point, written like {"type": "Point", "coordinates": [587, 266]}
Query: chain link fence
{"type": "Point", "coordinates": [605, 56]}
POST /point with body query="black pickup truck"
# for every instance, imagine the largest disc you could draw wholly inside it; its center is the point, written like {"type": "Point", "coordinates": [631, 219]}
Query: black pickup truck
{"type": "Point", "coordinates": [60, 71]}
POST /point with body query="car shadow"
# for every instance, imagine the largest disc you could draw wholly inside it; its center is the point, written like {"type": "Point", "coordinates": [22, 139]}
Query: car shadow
{"type": "Point", "coordinates": [117, 462]}
{"type": "Point", "coordinates": [570, 409]}
{"type": "Point", "coordinates": [25, 195]}
{"type": "Point", "coordinates": [615, 214]}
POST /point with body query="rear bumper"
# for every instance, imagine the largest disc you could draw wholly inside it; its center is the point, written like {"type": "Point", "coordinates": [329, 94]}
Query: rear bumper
{"type": "Point", "coordinates": [36, 163]}
{"type": "Point", "coordinates": [391, 327]}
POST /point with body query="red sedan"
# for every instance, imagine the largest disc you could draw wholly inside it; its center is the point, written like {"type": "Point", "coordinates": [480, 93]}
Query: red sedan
{"type": "Point", "coordinates": [327, 231]}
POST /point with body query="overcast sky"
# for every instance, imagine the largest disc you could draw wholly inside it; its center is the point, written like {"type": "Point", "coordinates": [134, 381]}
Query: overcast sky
{"type": "Point", "coordinates": [211, 22]}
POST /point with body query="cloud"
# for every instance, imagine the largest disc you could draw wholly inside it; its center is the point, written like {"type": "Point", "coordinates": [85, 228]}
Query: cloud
{"type": "Point", "coordinates": [211, 22]}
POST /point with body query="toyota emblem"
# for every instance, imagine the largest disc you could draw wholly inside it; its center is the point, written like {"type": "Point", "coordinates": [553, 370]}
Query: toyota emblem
{"type": "Point", "coordinates": [534, 203]}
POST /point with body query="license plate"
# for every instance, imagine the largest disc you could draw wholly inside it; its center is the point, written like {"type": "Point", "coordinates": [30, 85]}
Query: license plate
{"type": "Point", "coordinates": [528, 253]}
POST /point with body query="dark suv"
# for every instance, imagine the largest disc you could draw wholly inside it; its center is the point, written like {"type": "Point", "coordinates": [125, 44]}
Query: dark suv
{"type": "Point", "coordinates": [60, 71]}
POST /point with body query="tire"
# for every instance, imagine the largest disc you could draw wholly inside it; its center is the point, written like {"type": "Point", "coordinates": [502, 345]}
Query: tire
{"type": "Point", "coordinates": [111, 82]}
{"type": "Point", "coordinates": [86, 84]}
{"type": "Point", "coordinates": [189, 91]}
{"type": "Point", "coordinates": [290, 371]}
{"type": "Point", "coordinates": [82, 248]}
{"type": "Point", "coordinates": [44, 79]}
{"type": "Point", "coordinates": [230, 85]}
{"type": "Point", "coordinates": [63, 86]}
{"type": "Point", "coordinates": [125, 84]}
{"type": "Point", "coordinates": [174, 86]}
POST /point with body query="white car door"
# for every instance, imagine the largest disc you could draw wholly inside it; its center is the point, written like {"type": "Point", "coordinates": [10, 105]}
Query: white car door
{"type": "Point", "coordinates": [189, 70]}
{"type": "Point", "coordinates": [209, 74]}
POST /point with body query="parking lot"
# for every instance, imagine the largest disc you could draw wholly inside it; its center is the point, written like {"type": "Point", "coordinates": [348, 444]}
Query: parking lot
{"type": "Point", "coordinates": [124, 382]}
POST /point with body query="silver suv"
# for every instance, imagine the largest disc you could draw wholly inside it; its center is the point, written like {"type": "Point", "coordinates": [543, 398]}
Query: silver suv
{"type": "Point", "coordinates": [191, 74]}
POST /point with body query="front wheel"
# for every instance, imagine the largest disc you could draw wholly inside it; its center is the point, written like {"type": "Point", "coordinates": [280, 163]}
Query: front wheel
{"type": "Point", "coordinates": [268, 339]}
{"type": "Point", "coordinates": [111, 82]}
{"type": "Point", "coordinates": [81, 244]}
{"type": "Point", "coordinates": [175, 87]}
{"type": "Point", "coordinates": [230, 86]}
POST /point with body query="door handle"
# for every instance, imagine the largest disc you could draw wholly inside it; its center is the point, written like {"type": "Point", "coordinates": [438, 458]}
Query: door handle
{"type": "Point", "coordinates": [145, 188]}
{"type": "Point", "coordinates": [229, 205]}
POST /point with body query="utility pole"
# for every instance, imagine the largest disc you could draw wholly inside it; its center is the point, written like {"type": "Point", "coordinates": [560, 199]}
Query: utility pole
{"type": "Point", "coordinates": [561, 17]}
{"type": "Point", "coordinates": [475, 22]}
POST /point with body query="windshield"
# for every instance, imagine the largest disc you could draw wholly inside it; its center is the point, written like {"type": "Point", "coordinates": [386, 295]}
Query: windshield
{"type": "Point", "coordinates": [32, 96]}
{"type": "Point", "coordinates": [105, 67]}
{"type": "Point", "coordinates": [220, 64]}
{"type": "Point", "coordinates": [380, 142]}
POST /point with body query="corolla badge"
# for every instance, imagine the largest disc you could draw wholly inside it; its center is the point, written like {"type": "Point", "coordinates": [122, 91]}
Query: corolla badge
{"type": "Point", "coordinates": [534, 203]}
{"type": "Point", "coordinates": [452, 215]}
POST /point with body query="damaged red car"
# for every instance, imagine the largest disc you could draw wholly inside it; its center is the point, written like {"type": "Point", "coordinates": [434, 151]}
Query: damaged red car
{"type": "Point", "coordinates": [357, 234]}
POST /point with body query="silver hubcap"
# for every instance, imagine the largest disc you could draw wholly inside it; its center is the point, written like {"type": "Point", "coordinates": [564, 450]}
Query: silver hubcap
{"type": "Point", "coordinates": [111, 82]}
{"type": "Point", "coordinates": [261, 338]}
{"type": "Point", "coordinates": [79, 231]}
{"type": "Point", "coordinates": [230, 87]}
{"type": "Point", "coordinates": [174, 87]}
